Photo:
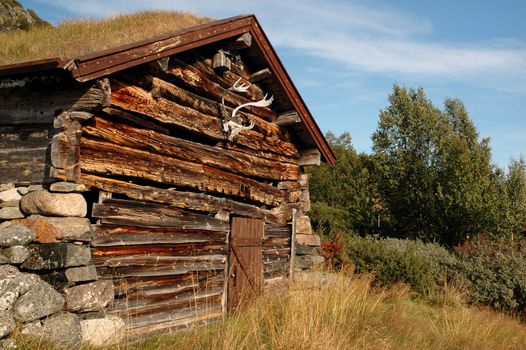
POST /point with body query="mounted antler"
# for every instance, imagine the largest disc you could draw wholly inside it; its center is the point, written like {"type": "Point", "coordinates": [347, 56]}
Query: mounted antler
{"type": "Point", "coordinates": [230, 126]}
{"type": "Point", "coordinates": [261, 103]}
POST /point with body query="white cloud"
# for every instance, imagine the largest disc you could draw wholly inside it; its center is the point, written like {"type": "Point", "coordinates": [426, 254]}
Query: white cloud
{"type": "Point", "coordinates": [361, 37]}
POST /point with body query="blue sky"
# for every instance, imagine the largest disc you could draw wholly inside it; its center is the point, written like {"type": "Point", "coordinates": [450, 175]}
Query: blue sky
{"type": "Point", "coordinates": [344, 56]}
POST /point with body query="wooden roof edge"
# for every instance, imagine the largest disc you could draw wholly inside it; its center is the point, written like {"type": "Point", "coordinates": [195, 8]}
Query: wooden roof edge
{"type": "Point", "coordinates": [279, 69]}
{"type": "Point", "coordinates": [105, 62]}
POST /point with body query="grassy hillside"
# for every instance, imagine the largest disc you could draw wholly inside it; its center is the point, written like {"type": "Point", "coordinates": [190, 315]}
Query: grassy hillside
{"type": "Point", "coordinates": [75, 38]}
{"type": "Point", "coordinates": [346, 313]}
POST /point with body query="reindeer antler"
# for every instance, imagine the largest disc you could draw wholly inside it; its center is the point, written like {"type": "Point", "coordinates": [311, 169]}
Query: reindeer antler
{"type": "Point", "coordinates": [261, 103]}
{"type": "Point", "coordinates": [241, 88]}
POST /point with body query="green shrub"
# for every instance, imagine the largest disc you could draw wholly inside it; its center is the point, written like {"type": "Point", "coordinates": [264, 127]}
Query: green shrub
{"type": "Point", "coordinates": [423, 266]}
{"type": "Point", "coordinates": [496, 271]}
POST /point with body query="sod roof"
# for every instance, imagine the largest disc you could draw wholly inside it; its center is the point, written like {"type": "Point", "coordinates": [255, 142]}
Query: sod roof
{"type": "Point", "coordinates": [76, 38]}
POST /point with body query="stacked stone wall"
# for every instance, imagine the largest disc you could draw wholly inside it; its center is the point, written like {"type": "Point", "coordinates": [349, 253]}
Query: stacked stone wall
{"type": "Point", "coordinates": [48, 288]}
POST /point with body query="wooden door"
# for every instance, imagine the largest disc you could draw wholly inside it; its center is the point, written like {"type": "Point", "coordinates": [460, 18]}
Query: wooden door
{"type": "Point", "coordinates": [245, 261]}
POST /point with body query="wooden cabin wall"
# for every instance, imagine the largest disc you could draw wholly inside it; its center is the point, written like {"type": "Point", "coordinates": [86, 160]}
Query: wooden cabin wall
{"type": "Point", "coordinates": [175, 179]}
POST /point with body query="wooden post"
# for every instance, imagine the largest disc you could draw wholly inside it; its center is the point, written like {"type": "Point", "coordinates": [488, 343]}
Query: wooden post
{"type": "Point", "coordinates": [293, 245]}
{"type": "Point", "coordinates": [288, 118]}
{"type": "Point", "coordinates": [310, 157]}
{"type": "Point", "coordinates": [260, 75]}
{"type": "Point", "coordinates": [242, 42]}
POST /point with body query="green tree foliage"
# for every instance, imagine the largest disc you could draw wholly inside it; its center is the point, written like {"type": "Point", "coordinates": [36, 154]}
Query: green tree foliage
{"type": "Point", "coordinates": [435, 174]}
{"type": "Point", "coordinates": [516, 197]}
{"type": "Point", "coordinates": [345, 196]}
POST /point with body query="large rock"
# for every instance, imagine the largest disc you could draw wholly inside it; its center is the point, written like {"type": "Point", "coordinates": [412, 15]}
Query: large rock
{"type": "Point", "coordinates": [15, 255]}
{"type": "Point", "coordinates": [41, 300]}
{"type": "Point", "coordinates": [15, 234]}
{"type": "Point", "coordinates": [81, 273]}
{"type": "Point", "coordinates": [9, 213]}
{"type": "Point", "coordinates": [103, 331]}
{"type": "Point", "coordinates": [303, 225]}
{"type": "Point", "coordinates": [55, 229]}
{"type": "Point", "coordinates": [54, 204]}
{"type": "Point", "coordinates": [62, 329]}
{"type": "Point", "coordinates": [7, 323]}
{"type": "Point", "coordinates": [9, 195]}
{"type": "Point", "coordinates": [93, 296]}
{"type": "Point", "coordinates": [55, 256]}
{"type": "Point", "coordinates": [13, 284]}
{"type": "Point", "coordinates": [307, 261]}
{"type": "Point", "coordinates": [310, 240]}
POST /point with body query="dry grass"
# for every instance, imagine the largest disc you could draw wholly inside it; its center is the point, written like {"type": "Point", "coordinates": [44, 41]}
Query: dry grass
{"type": "Point", "coordinates": [72, 39]}
{"type": "Point", "coordinates": [348, 314]}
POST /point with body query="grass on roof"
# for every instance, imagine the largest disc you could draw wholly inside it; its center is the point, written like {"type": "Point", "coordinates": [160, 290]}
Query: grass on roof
{"type": "Point", "coordinates": [75, 38]}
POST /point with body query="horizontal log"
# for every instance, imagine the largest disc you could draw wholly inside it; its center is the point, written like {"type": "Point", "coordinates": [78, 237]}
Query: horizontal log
{"type": "Point", "coordinates": [142, 214]}
{"type": "Point", "coordinates": [260, 75]}
{"type": "Point", "coordinates": [137, 120]}
{"type": "Point", "coordinates": [180, 199]}
{"type": "Point", "coordinates": [310, 157]}
{"type": "Point", "coordinates": [227, 80]}
{"type": "Point", "coordinates": [288, 118]}
{"type": "Point", "coordinates": [116, 272]}
{"type": "Point", "coordinates": [188, 311]}
{"type": "Point", "coordinates": [27, 105]}
{"type": "Point", "coordinates": [110, 235]}
{"type": "Point", "coordinates": [242, 42]}
{"type": "Point", "coordinates": [24, 153]}
{"type": "Point", "coordinates": [179, 249]}
{"type": "Point", "coordinates": [232, 161]}
{"type": "Point", "coordinates": [107, 158]}
{"type": "Point", "coordinates": [140, 300]}
{"type": "Point", "coordinates": [204, 105]}
{"type": "Point", "coordinates": [194, 79]}
{"type": "Point", "coordinates": [126, 286]}
{"type": "Point", "coordinates": [194, 318]}
{"type": "Point", "coordinates": [261, 154]}
{"type": "Point", "coordinates": [213, 262]}
{"type": "Point", "coordinates": [136, 99]}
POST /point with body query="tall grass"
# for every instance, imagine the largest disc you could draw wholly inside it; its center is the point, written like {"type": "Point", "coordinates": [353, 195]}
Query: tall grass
{"type": "Point", "coordinates": [72, 39]}
{"type": "Point", "coordinates": [345, 312]}
{"type": "Point", "coordinates": [342, 311]}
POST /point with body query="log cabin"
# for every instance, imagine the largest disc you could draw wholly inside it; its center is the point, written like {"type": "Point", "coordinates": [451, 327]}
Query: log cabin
{"type": "Point", "coordinates": [189, 150]}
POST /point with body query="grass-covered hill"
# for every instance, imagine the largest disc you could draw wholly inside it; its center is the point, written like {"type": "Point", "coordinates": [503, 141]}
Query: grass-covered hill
{"type": "Point", "coordinates": [13, 17]}
{"type": "Point", "coordinates": [75, 38]}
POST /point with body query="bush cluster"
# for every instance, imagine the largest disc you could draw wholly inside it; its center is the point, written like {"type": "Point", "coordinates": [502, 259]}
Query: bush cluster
{"type": "Point", "coordinates": [493, 273]}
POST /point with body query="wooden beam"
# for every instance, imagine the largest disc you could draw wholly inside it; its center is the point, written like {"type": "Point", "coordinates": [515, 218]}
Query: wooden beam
{"type": "Point", "coordinates": [136, 99]}
{"type": "Point", "coordinates": [186, 200]}
{"type": "Point", "coordinates": [106, 158]}
{"type": "Point", "coordinates": [40, 106]}
{"type": "Point", "coordinates": [260, 75]}
{"type": "Point", "coordinates": [194, 79]}
{"type": "Point", "coordinates": [142, 214]}
{"type": "Point", "coordinates": [204, 105]}
{"type": "Point", "coordinates": [288, 118]}
{"type": "Point", "coordinates": [310, 157]}
{"type": "Point", "coordinates": [232, 161]}
{"type": "Point", "coordinates": [242, 42]}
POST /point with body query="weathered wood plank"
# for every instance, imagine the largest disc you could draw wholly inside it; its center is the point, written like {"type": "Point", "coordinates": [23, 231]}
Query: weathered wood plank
{"type": "Point", "coordinates": [194, 79]}
{"type": "Point", "coordinates": [106, 158]}
{"type": "Point", "coordinates": [111, 235]}
{"type": "Point", "coordinates": [24, 153]}
{"type": "Point", "coordinates": [260, 75]}
{"type": "Point", "coordinates": [242, 42]}
{"type": "Point", "coordinates": [288, 118]}
{"type": "Point", "coordinates": [136, 99]}
{"type": "Point", "coordinates": [261, 154]}
{"type": "Point", "coordinates": [310, 157]}
{"type": "Point", "coordinates": [39, 106]}
{"type": "Point", "coordinates": [148, 271]}
{"type": "Point", "coordinates": [202, 104]}
{"type": "Point", "coordinates": [142, 214]}
{"type": "Point", "coordinates": [179, 249]}
{"type": "Point", "coordinates": [236, 162]}
{"type": "Point", "coordinates": [180, 199]}
{"type": "Point", "coordinates": [135, 119]}
{"type": "Point", "coordinates": [144, 260]}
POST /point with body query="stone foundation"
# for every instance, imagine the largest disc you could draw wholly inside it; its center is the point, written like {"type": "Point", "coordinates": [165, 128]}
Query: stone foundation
{"type": "Point", "coordinates": [48, 289]}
